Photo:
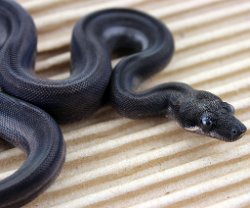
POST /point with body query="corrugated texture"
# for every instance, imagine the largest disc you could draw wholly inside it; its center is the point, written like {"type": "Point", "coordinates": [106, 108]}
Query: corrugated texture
{"type": "Point", "coordinates": [117, 162]}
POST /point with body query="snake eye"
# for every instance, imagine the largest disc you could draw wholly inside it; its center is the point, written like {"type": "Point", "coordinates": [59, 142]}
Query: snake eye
{"type": "Point", "coordinates": [206, 122]}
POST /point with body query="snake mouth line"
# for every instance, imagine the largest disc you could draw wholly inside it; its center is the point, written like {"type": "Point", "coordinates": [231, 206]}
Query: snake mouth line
{"type": "Point", "coordinates": [213, 134]}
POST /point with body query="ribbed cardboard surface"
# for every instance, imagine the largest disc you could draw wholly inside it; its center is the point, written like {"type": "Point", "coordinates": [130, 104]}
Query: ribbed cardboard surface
{"type": "Point", "coordinates": [118, 162]}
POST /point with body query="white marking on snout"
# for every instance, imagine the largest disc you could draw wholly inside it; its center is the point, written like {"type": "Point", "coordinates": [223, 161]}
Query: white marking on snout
{"type": "Point", "coordinates": [193, 128]}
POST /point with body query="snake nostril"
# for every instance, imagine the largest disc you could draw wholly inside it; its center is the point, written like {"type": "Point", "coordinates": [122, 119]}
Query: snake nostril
{"type": "Point", "coordinates": [234, 132]}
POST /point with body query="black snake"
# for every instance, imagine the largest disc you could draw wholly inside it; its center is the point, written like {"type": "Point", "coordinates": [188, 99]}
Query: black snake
{"type": "Point", "coordinates": [95, 38]}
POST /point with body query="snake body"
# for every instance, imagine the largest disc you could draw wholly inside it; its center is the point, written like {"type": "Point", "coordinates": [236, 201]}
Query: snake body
{"type": "Point", "coordinates": [95, 38]}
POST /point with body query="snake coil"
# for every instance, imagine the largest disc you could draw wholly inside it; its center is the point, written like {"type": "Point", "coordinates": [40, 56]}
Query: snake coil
{"type": "Point", "coordinates": [95, 38]}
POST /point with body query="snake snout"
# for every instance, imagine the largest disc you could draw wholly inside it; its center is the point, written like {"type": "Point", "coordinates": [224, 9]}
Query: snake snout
{"type": "Point", "coordinates": [238, 131]}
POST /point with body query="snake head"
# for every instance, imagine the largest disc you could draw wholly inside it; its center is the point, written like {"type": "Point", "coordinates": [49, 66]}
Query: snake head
{"type": "Point", "coordinates": [205, 113]}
